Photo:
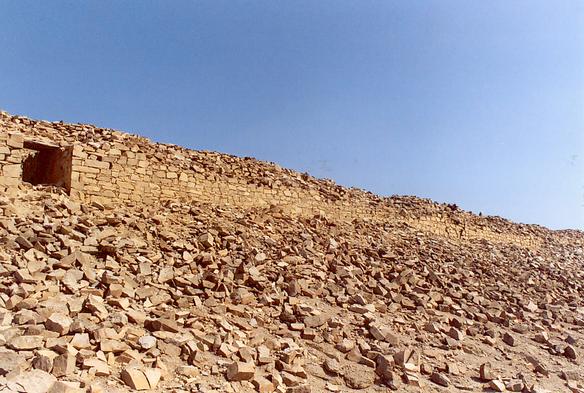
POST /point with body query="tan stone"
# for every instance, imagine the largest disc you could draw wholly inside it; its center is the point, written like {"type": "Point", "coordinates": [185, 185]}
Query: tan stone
{"type": "Point", "coordinates": [63, 365]}
{"type": "Point", "coordinates": [66, 387]}
{"type": "Point", "coordinates": [135, 379]}
{"type": "Point", "coordinates": [20, 343]}
{"type": "Point", "coordinates": [80, 341]}
{"type": "Point", "coordinates": [15, 140]}
{"type": "Point", "coordinates": [14, 170]}
{"type": "Point", "coordinates": [239, 371]}
{"type": "Point", "coordinates": [263, 385]}
{"type": "Point", "coordinates": [153, 376]}
{"type": "Point", "coordinates": [485, 372]}
{"type": "Point", "coordinates": [497, 385]}
{"type": "Point", "coordinates": [59, 323]}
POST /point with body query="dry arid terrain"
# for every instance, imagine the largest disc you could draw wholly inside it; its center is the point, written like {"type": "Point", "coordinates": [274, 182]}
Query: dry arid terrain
{"type": "Point", "coordinates": [247, 277]}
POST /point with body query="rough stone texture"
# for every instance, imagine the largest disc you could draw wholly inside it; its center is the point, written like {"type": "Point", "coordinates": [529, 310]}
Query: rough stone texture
{"type": "Point", "coordinates": [108, 165]}
{"type": "Point", "coordinates": [257, 278]}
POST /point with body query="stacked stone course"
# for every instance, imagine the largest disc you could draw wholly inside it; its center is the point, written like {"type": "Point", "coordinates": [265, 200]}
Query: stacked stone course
{"type": "Point", "coordinates": [109, 166]}
{"type": "Point", "coordinates": [11, 149]}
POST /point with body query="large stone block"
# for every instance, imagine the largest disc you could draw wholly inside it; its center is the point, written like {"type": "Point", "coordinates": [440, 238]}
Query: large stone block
{"type": "Point", "coordinates": [15, 140]}
{"type": "Point", "coordinates": [12, 170]}
{"type": "Point", "coordinates": [97, 164]}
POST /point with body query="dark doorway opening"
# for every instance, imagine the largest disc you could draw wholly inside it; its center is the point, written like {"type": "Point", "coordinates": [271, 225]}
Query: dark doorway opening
{"type": "Point", "coordinates": [47, 165]}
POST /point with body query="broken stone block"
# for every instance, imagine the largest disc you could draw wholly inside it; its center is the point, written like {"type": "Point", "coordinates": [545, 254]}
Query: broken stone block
{"type": "Point", "coordinates": [163, 324]}
{"type": "Point", "coordinates": [115, 346]}
{"type": "Point", "coordinates": [357, 376]}
{"type": "Point", "coordinates": [455, 334]}
{"type": "Point", "coordinates": [509, 339]}
{"type": "Point", "coordinates": [188, 371]}
{"type": "Point", "coordinates": [412, 379]}
{"type": "Point", "coordinates": [66, 387]}
{"type": "Point", "coordinates": [383, 334]}
{"type": "Point", "coordinates": [407, 359]}
{"type": "Point", "coordinates": [206, 240]}
{"type": "Point", "coordinates": [153, 376]}
{"type": "Point", "coordinates": [263, 385]}
{"type": "Point", "coordinates": [497, 385]}
{"type": "Point", "coordinates": [26, 343]}
{"type": "Point", "coordinates": [64, 365]}
{"type": "Point", "coordinates": [440, 379]}
{"type": "Point", "coordinates": [80, 341]}
{"type": "Point", "coordinates": [43, 360]}
{"type": "Point", "coordinates": [345, 345]}
{"type": "Point", "coordinates": [147, 342]}
{"type": "Point", "coordinates": [542, 338]}
{"type": "Point", "coordinates": [240, 371]}
{"type": "Point", "coordinates": [59, 323]}
{"type": "Point", "coordinates": [99, 367]}
{"type": "Point", "coordinates": [135, 379]}
{"type": "Point", "coordinates": [332, 366]}
{"type": "Point", "coordinates": [570, 352]}
{"type": "Point", "coordinates": [314, 321]}
{"type": "Point", "coordinates": [485, 372]}
{"type": "Point", "coordinates": [263, 355]}
{"type": "Point", "coordinates": [33, 381]}
{"type": "Point", "coordinates": [11, 361]}
{"type": "Point", "coordinates": [514, 386]}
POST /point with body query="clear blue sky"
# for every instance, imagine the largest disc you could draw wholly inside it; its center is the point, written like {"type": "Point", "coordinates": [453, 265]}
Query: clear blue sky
{"type": "Point", "coordinates": [479, 103]}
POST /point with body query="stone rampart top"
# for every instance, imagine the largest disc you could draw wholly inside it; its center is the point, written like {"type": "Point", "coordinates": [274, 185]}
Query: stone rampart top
{"type": "Point", "coordinates": [103, 164]}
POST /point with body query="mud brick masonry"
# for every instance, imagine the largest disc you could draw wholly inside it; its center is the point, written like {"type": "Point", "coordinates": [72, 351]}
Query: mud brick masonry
{"type": "Point", "coordinates": [105, 166]}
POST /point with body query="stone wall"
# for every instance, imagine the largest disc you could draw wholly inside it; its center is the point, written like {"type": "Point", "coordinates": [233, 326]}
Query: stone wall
{"type": "Point", "coordinates": [11, 156]}
{"type": "Point", "coordinates": [110, 166]}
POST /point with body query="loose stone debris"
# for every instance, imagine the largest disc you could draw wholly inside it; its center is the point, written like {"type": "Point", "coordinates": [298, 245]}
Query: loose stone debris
{"type": "Point", "coordinates": [186, 296]}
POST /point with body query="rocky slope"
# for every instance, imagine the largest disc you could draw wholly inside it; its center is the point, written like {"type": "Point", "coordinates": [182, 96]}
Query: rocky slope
{"type": "Point", "coordinates": [205, 298]}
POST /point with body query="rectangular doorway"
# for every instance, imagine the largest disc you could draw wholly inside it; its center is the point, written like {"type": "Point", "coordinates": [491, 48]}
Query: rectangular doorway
{"type": "Point", "coordinates": [47, 164]}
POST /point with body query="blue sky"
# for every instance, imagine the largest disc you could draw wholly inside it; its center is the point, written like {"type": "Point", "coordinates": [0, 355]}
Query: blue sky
{"type": "Point", "coordinates": [479, 103]}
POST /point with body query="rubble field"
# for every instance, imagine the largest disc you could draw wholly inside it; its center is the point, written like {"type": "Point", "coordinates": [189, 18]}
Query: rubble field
{"type": "Point", "coordinates": [150, 267]}
{"type": "Point", "coordinates": [194, 298]}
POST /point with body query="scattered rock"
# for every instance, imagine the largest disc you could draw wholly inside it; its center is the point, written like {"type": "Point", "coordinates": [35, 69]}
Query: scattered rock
{"type": "Point", "coordinates": [240, 371]}
{"type": "Point", "coordinates": [294, 281]}
{"type": "Point", "coordinates": [440, 379]}
{"type": "Point", "coordinates": [485, 372]}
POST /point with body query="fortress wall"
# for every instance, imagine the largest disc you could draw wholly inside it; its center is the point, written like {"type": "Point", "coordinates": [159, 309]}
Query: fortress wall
{"type": "Point", "coordinates": [122, 173]}
{"type": "Point", "coordinates": [109, 166]}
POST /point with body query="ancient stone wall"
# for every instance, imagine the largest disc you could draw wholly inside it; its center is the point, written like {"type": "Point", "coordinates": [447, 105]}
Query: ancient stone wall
{"type": "Point", "coordinates": [111, 166]}
{"type": "Point", "coordinates": [11, 156]}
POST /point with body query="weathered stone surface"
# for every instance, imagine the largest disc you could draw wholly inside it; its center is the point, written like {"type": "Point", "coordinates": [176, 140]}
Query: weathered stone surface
{"type": "Point", "coordinates": [59, 323]}
{"type": "Point", "coordinates": [80, 341]}
{"type": "Point", "coordinates": [116, 346]}
{"type": "Point", "coordinates": [10, 361]}
{"type": "Point", "coordinates": [263, 385]}
{"type": "Point", "coordinates": [384, 334]}
{"type": "Point", "coordinates": [485, 372]}
{"type": "Point", "coordinates": [33, 381]}
{"type": "Point", "coordinates": [97, 366]}
{"type": "Point", "coordinates": [66, 387]}
{"type": "Point", "coordinates": [135, 378]}
{"type": "Point", "coordinates": [497, 385]}
{"type": "Point", "coordinates": [147, 342]}
{"type": "Point", "coordinates": [358, 377]}
{"type": "Point", "coordinates": [440, 379]}
{"type": "Point", "coordinates": [240, 371]}
{"type": "Point", "coordinates": [153, 376]}
{"type": "Point", "coordinates": [64, 365]}
{"type": "Point", "coordinates": [44, 360]}
{"type": "Point", "coordinates": [509, 339]}
{"type": "Point", "coordinates": [216, 273]}
{"type": "Point", "coordinates": [26, 343]}
{"type": "Point", "coordinates": [570, 352]}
